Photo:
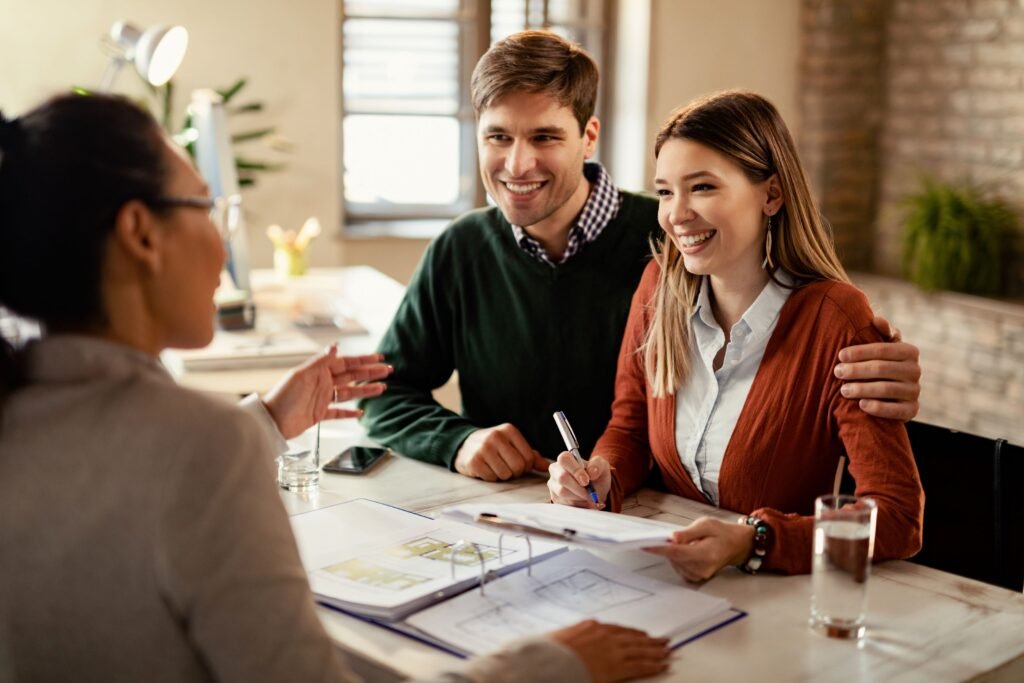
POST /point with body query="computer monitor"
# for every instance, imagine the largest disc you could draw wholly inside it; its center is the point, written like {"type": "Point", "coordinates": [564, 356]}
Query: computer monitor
{"type": "Point", "coordinates": [216, 163]}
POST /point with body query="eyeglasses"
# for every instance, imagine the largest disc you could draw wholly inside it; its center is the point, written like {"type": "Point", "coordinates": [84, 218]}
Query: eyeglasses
{"type": "Point", "coordinates": [224, 211]}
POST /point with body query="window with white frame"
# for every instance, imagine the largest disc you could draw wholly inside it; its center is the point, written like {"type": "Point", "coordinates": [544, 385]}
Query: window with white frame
{"type": "Point", "coordinates": [409, 147]}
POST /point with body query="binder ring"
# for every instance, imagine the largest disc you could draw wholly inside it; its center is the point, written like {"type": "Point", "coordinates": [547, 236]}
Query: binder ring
{"type": "Point", "coordinates": [529, 552]}
{"type": "Point", "coordinates": [462, 544]}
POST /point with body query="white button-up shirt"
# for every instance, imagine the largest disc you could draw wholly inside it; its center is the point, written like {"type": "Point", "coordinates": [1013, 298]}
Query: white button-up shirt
{"type": "Point", "coordinates": [708, 403]}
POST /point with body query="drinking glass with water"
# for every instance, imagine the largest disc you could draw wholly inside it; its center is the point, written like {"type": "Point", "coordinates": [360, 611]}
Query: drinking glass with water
{"type": "Point", "coordinates": [844, 539]}
{"type": "Point", "coordinates": [300, 470]}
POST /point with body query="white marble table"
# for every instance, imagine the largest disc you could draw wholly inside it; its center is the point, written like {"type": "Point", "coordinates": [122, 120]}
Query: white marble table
{"type": "Point", "coordinates": [923, 625]}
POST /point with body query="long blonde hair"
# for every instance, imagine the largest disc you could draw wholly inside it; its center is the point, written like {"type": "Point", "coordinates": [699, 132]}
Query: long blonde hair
{"type": "Point", "coordinates": [748, 130]}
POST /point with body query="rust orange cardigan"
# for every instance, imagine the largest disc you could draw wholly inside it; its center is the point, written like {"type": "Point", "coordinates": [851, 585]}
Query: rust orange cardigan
{"type": "Point", "coordinates": [790, 433]}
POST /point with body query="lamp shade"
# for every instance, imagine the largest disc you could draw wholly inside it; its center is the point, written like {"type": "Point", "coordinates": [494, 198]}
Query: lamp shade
{"type": "Point", "coordinates": [157, 52]}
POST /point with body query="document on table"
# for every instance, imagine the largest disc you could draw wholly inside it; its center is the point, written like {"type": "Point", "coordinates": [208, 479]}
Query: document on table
{"type": "Point", "coordinates": [571, 525]}
{"type": "Point", "coordinates": [379, 561]}
{"type": "Point", "coordinates": [563, 591]}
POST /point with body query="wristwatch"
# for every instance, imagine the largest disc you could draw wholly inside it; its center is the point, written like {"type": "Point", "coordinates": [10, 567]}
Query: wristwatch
{"type": "Point", "coordinates": [763, 539]}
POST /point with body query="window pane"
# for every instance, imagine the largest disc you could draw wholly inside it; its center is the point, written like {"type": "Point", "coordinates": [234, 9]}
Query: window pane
{"type": "Point", "coordinates": [535, 14]}
{"type": "Point", "coordinates": [573, 35]}
{"type": "Point", "coordinates": [507, 17]}
{"type": "Point", "coordinates": [574, 11]}
{"type": "Point", "coordinates": [511, 16]}
{"type": "Point", "coordinates": [401, 66]}
{"type": "Point", "coordinates": [400, 8]}
{"type": "Point", "coordinates": [401, 159]}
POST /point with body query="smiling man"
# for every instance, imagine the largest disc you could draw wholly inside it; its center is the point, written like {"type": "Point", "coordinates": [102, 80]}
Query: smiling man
{"type": "Point", "coordinates": [528, 300]}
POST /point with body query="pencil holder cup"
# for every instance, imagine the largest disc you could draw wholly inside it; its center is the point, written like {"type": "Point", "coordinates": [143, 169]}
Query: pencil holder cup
{"type": "Point", "coordinates": [290, 247]}
{"type": "Point", "coordinates": [289, 261]}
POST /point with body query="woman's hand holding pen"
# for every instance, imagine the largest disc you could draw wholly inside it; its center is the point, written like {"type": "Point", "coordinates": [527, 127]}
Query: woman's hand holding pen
{"type": "Point", "coordinates": [568, 481]}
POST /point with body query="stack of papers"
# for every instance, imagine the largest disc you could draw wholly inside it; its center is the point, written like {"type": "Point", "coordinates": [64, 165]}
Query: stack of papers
{"type": "Point", "coordinates": [246, 349]}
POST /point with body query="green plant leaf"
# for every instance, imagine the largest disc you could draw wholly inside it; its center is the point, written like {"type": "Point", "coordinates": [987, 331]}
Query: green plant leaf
{"type": "Point", "coordinates": [246, 108]}
{"type": "Point", "coordinates": [249, 165]}
{"type": "Point", "coordinates": [252, 135]}
{"type": "Point", "coordinates": [229, 93]}
{"type": "Point", "coordinates": [955, 237]}
{"type": "Point", "coordinates": [167, 97]}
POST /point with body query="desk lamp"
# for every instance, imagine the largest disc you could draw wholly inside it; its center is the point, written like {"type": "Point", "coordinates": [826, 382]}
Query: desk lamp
{"type": "Point", "coordinates": [156, 52]}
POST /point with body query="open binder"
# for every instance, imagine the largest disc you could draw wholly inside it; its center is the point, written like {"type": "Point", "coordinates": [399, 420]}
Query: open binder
{"type": "Point", "coordinates": [382, 562]}
{"type": "Point", "coordinates": [466, 590]}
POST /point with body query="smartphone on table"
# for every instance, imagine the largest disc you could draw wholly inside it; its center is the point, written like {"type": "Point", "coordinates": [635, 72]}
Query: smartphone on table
{"type": "Point", "coordinates": [355, 460]}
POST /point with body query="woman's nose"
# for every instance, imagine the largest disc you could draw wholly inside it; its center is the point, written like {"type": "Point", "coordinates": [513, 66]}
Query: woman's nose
{"type": "Point", "coordinates": [679, 211]}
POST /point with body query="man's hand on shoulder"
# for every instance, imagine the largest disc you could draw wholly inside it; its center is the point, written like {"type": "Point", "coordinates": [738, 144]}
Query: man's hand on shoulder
{"type": "Point", "coordinates": [497, 453]}
{"type": "Point", "coordinates": [884, 377]}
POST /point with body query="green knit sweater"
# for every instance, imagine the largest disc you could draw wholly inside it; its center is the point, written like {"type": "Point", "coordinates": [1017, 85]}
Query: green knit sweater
{"type": "Point", "coordinates": [527, 339]}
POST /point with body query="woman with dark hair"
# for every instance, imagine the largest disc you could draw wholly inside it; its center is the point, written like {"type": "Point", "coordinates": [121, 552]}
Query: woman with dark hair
{"type": "Point", "coordinates": [725, 381]}
{"type": "Point", "coordinates": [143, 537]}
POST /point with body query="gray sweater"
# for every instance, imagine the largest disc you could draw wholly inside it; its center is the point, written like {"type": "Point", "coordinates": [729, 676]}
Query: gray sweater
{"type": "Point", "coordinates": [142, 537]}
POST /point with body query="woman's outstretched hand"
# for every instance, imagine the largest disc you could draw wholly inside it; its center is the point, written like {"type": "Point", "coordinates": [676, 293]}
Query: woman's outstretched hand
{"type": "Point", "coordinates": [304, 396]}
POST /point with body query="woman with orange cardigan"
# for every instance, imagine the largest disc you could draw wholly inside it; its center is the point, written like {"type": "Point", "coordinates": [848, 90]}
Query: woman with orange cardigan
{"type": "Point", "coordinates": [725, 386]}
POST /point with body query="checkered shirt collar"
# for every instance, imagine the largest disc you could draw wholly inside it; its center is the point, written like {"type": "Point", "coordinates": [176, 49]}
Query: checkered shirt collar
{"type": "Point", "coordinates": [601, 207]}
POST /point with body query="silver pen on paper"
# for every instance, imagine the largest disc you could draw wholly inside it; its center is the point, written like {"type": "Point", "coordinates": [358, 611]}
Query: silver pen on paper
{"type": "Point", "coordinates": [573, 446]}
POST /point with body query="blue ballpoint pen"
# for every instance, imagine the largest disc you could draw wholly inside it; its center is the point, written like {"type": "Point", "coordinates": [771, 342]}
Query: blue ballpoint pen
{"type": "Point", "coordinates": [573, 446]}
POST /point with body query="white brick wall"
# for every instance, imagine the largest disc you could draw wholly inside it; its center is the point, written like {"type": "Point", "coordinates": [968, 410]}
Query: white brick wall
{"type": "Point", "coordinates": [972, 355]}
{"type": "Point", "coordinates": [955, 109]}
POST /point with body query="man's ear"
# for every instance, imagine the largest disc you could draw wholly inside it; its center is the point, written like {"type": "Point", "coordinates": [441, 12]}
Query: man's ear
{"type": "Point", "coordinates": [590, 133]}
{"type": "Point", "coordinates": [137, 235]}
{"type": "Point", "coordinates": [774, 199]}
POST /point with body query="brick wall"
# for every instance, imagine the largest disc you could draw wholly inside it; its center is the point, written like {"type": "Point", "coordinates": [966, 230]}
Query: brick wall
{"type": "Point", "coordinates": [842, 79]}
{"type": "Point", "coordinates": [972, 355]}
{"type": "Point", "coordinates": [955, 108]}
{"type": "Point", "coordinates": [894, 88]}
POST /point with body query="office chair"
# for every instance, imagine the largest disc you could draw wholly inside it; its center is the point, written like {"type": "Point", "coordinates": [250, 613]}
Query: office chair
{"type": "Point", "coordinates": [974, 512]}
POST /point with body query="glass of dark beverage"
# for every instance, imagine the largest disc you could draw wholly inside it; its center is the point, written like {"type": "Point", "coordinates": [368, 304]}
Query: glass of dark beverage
{"type": "Point", "coordinates": [844, 537]}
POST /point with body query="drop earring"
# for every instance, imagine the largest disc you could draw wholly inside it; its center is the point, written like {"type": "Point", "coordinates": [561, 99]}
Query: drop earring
{"type": "Point", "coordinates": [767, 263]}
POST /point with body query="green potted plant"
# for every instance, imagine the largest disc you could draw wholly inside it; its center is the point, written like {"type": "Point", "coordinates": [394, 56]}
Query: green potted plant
{"type": "Point", "coordinates": [955, 238]}
{"type": "Point", "coordinates": [247, 167]}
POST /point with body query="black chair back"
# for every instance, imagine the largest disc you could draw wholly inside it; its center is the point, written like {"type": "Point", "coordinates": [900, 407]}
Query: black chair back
{"type": "Point", "coordinates": [974, 504]}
